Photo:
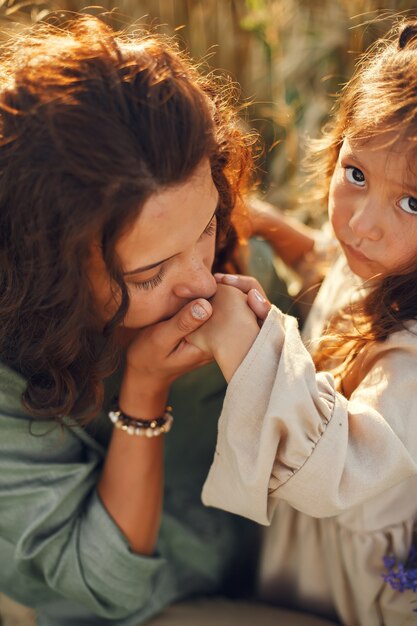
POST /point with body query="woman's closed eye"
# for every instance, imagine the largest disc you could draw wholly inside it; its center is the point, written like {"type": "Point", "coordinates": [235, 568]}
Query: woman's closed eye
{"type": "Point", "coordinates": [355, 176]}
{"type": "Point", "coordinates": [149, 283]}
{"type": "Point", "coordinates": [210, 229]}
{"type": "Point", "coordinates": [154, 281]}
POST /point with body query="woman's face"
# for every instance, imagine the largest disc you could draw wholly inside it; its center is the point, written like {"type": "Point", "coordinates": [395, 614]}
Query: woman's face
{"type": "Point", "coordinates": [166, 254]}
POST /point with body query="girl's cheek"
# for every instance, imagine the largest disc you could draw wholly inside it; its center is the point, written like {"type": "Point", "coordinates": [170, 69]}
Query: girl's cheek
{"type": "Point", "coordinates": [337, 207]}
{"type": "Point", "coordinates": [332, 202]}
{"type": "Point", "coordinates": [336, 180]}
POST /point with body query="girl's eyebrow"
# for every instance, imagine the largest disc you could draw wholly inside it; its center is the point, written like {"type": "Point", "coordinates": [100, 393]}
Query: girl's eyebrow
{"type": "Point", "coordinates": [408, 182]}
{"type": "Point", "coordinates": [349, 153]}
{"type": "Point", "coordinates": [152, 265]}
{"type": "Point", "coordinates": [411, 188]}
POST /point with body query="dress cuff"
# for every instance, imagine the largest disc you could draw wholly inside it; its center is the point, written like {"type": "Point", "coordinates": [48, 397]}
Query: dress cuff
{"type": "Point", "coordinates": [226, 486]}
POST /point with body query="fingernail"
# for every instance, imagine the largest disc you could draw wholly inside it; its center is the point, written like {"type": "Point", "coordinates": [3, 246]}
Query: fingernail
{"type": "Point", "coordinates": [198, 312]}
{"type": "Point", "coordinates": [218, 275]}
{"type": "Point", "coordinates": [258, 296]}
{"type": "Point", "coordinates": [230, 278]}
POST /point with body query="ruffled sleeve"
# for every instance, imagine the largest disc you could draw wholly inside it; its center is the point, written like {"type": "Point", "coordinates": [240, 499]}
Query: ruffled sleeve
{"type": "Point", "coordinates": [285, 432]}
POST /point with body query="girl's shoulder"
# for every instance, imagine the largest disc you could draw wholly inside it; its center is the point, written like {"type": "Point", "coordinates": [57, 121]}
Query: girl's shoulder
{"type": "Point", "coordinates": [396, 354]}
{"type": "Point", "coordinates": [404, 338]}
{"type": "Point", "coordinates": [339, 288]}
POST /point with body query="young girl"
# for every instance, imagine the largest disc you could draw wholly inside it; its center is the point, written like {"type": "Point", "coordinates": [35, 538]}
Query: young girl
{"type": "Point", "coordinates": [118, 166]}
{"type": "Point", "coordinates": [321, 443]}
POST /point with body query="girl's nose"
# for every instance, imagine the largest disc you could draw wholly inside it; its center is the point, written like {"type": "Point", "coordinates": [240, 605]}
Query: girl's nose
{"type": "Point", "coordinates": [196, 282]}
{"type": "Point", "coordinates": [365, 221]}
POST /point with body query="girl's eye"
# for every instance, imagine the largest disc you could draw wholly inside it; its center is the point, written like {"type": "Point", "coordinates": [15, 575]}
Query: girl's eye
{"type": "Point", "coordinates": [150, 283]}
{"type": "Point", "coordinates": [355, 176]}
{"type": "Point", "coordinates": [409, 204]}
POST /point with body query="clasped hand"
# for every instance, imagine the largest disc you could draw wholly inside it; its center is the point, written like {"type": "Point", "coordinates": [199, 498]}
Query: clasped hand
{"type": "Point", "coordinates": [223, 329]}
{"type": "Point", "coordinates": [238, 309]}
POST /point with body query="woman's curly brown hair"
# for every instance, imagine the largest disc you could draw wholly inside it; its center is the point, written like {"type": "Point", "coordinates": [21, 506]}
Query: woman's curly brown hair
{"type": "Point", "coordinates": [91, 124]}
{"type": "Point", "coordinates": [380, 98]}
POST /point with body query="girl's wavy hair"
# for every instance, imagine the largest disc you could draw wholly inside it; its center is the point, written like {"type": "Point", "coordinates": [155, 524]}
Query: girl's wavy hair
{"type": "Point", "coordinates": [380, 98]}
{"type": "Point", "coordinates": [92, 123]}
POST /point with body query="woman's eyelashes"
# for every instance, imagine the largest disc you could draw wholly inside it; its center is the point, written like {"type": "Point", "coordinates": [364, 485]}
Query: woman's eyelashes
{"type": "Point", "coordinates": [151, 283]}
{"type": "Point", "coordinates": [210, 229]}
{"type": "Point", "coordinates": [354, 175]}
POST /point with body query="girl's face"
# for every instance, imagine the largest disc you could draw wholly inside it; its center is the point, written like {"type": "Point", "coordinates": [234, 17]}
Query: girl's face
{"type": "Point", "coordinates": [166, 254]}
{"type": "Point", "coordinates": [373, 205]}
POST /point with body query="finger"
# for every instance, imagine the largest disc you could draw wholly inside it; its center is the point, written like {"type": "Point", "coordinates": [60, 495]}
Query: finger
{"type": "Point", "coordinates": [259, 304]}
{"type": "Point", "coordinates": [187, 320]}
{"type": "Point", "coordinates": [244, 283]}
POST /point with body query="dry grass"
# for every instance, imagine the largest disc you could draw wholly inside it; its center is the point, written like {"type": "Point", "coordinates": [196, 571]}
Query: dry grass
{"type": "Point", "coordinates": [289, 56]}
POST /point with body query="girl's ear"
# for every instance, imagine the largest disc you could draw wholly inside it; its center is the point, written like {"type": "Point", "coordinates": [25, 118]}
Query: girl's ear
{"type": "Point", "coordinates": [408, 35]}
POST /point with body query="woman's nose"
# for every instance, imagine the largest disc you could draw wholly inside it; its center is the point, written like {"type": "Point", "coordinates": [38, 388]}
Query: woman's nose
{"type": "Point", "coordinates": [196, 281]}
{"type": "Point", "coordinates": [365, 221]}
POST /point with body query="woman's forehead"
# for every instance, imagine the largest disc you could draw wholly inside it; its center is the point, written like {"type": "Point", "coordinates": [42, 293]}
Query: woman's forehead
{"type": "Point", "coordinates": [169, 221]}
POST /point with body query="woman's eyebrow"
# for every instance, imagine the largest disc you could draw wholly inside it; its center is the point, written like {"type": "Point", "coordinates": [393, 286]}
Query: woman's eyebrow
{"type": "Point", "coordinates": [152, 265]}
{"type": "Point", "coordinates": [148, 267]}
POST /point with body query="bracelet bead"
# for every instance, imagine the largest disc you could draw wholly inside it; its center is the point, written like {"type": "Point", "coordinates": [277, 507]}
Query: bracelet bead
{"type": "Point", "coordinates": [140, 427]}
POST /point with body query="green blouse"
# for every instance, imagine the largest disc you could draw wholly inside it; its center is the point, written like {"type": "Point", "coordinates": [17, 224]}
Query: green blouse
{"type": "Point", "coordinates": [61, 552]}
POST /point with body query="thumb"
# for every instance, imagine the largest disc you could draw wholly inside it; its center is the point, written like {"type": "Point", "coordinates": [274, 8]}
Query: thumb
{"type": "Point", "coordinates": [188, 319]}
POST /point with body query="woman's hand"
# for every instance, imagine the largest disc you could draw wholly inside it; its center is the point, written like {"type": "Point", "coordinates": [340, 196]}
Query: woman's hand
{"type": "Point", "coordinates": [159, 354]}
{"type": "Point", "coordinates": [131, 484]}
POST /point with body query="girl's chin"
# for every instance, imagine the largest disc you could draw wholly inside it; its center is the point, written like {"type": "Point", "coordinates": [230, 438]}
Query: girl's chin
{"type": "Point", "coordinates": [365, 273]}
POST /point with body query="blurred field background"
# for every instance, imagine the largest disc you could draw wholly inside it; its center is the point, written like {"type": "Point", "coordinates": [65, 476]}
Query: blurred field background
{"type": "Point", "coordinates": [289, 56]}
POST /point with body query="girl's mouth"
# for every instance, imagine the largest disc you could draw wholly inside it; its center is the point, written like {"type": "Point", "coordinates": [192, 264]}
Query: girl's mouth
{"type": "Point", "coordinates": [356, 254]}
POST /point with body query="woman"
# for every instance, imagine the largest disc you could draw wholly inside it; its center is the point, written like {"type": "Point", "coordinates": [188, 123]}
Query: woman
{"type": "Point", "coordinates": [120, 167]}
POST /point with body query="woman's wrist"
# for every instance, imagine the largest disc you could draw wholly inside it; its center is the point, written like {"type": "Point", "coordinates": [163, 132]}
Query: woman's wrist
{"type": "Point", "coordinates": [143, 399]}
{"type": "Point", "coordinates": [159, 425]}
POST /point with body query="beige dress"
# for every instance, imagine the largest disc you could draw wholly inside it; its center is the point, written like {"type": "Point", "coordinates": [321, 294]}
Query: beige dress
{"type": "Point", "coordinates": [335, 479]}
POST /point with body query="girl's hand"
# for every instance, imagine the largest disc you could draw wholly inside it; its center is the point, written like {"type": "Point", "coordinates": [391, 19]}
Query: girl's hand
{"type": "Point", "coordinates": [231, 330]}
{"type": "Point", "coordinates": [256, 297]}
{"type": "Point", "coordinates": [290, 239]}
{"type": "Point", "coordinates": [263, 216]}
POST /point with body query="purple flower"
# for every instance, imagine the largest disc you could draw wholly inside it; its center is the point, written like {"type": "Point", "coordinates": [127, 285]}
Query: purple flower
{"type": "Point", "coordinates": [402, 576]}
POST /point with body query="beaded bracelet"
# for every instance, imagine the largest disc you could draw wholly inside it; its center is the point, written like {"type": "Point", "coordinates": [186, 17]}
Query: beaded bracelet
{"type": "Point", "coordinates": [142, 428]}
